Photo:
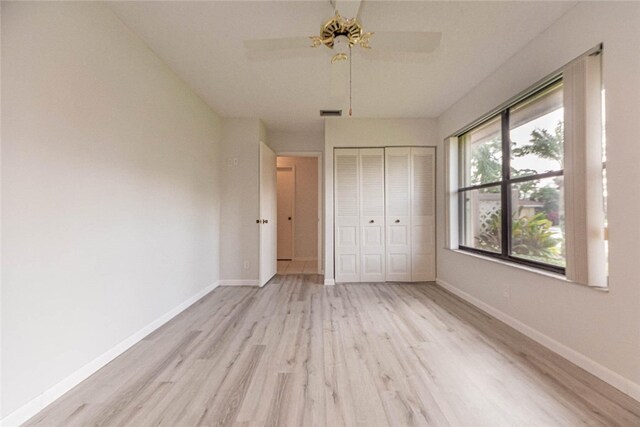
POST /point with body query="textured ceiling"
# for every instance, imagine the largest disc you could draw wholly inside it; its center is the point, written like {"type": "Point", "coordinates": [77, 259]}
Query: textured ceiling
{"type": "Point", "coordinates": [203, 43]}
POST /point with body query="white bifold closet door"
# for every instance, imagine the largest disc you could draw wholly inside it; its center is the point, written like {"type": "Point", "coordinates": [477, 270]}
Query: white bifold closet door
{"type": "Point", "coordinates": [359, 215]}
{"type": "Point", "coordinates": [372, 247]}
{"type": "Point", "coordinates": [398, 198]}
{"type": "Point", "coordinates": [384, 214]}
{"type": "Point", "coordinates": [347, 216]}
{"type": "Point", "coordinates": [410, 214]}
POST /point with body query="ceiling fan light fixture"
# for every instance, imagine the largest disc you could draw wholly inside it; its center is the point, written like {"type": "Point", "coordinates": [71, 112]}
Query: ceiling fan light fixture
{"type": "Point", "coordinates": [338, 26]}
{"type": "Point", "coordinates": [342, 46]}
{"type": "Point", "coordinates": [339, 57]}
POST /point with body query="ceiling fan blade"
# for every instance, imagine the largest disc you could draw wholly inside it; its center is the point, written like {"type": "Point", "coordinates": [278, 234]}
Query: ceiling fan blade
{"type": "Point", "coordinates": [271, 45]}
{"type": "Point", "coordinates": [348, 8]}
{"type": "Point", "coordinates": [405, 41]}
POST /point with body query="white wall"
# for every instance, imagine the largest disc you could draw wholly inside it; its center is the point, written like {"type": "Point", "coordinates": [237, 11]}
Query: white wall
{"type": "Point", "coordinates": [350, 132]}
{"type": "Point", "coordinates": [601, 330]}
{"type": "Point", "coordinates": [282, 142]}
{"type": "Point", "coordinates": [306, 205]}
{"type": "Point", "coordinates": [240, 180]}
{"type": "Point", "coordinates": [110, 193]}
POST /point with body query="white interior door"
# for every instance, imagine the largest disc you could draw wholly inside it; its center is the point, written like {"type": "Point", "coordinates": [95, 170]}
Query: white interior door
{"type": "Point", "coordinates": [286, 205]}
{"type": "Point", "coordinates": [423, 243]}
{"type": "Point", "coordinates": [268, 214]}
{"type": "Point", "coordinates": [398, 213]}
{"type": "Point", "coordinates": [347, 218]}
{"type": "Point", "coordinates": [372, 231]}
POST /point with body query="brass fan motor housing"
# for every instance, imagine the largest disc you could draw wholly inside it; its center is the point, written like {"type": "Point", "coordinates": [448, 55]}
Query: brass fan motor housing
{"type": "Point", "coordinates": [339, 26]}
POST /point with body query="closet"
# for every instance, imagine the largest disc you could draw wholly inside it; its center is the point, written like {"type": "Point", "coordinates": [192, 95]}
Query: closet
{"type": "Point", "coordinates": [384, 214]}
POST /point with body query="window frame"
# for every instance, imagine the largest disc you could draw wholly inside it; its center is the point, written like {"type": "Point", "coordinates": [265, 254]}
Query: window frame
{"type": "Point", "coordinates": [505, 183]}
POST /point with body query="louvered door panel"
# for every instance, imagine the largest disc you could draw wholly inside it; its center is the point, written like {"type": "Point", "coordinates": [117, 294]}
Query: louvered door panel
{"type": "Point", "coordinates": [372, 252]}
{"type": "Point", "coordinates": [347, 216]}
{"type": "Point", "coordinates": [398, 213]}
{"type": "Point", "coordinates": [423, 214]}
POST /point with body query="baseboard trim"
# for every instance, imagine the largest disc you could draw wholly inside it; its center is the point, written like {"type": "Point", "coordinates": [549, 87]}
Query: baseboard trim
{"type": "Point", "coordinates": [329, 282]}
{"type": "Point", "coordinates": [28, 410]}
{"type": "Point", "coordinates": [249, 282]}
{"type": "Point", "coordinates": [605, 374]}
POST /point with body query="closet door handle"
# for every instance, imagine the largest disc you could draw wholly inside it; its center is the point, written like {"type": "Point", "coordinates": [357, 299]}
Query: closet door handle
{"type": "Point", "coordinates": [265, 221]}
{"type": "Point", "coordinates": [397, 221]}
{"type": "Point", "coordinates": [371, 221]}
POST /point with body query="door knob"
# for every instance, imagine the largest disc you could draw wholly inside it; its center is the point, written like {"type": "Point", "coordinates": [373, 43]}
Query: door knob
{"type": "Point", "coordinates": [289, 218]}
{"type": "Point", "coordinates": [397, 221]}
{"type": "Point", "coordinates": [265, 221]}
{"type": "Point", "coordinates": [371, 221]}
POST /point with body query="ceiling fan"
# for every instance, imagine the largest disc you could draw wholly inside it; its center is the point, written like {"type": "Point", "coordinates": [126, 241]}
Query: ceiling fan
{"type": "Point", "coordinates": [339, 31]}
{"type": "Point", "coordinates": [340, 35]}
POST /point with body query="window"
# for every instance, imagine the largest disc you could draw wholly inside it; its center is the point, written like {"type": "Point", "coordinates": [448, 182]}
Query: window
{"type": "Point", "coordinates": [528, 182]}
{"type": "Point", "coordinates": [511, 182]}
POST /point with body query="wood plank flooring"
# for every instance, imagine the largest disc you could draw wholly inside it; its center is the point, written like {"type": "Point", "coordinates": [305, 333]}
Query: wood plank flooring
{"type": "Point", "coordinates": [296, 353]}
{"type": "Point", "coordinates": [297, 267]}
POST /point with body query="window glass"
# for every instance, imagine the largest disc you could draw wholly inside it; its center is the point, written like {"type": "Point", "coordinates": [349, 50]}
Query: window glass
{"type": "Point", "coordinates": [535, 212]}
{"type": "Point", "coordinates": [536, 130]}
{"type": "Point", "coordinates": [537, 221]}
{"type": "Point", "coordinates": [481, 156]}
{"type": "Point", "coordinates": [482, 219]}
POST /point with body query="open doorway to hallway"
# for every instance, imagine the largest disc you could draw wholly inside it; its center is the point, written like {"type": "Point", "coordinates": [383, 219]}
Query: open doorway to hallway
{"type": "Point", "coordinates": [298, 220]}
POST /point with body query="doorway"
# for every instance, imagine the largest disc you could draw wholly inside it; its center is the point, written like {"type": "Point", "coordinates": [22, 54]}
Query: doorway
{"type": "Point", "coordinates": [299, 221]}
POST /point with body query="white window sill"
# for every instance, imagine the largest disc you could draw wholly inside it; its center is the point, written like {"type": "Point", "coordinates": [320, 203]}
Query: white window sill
{"type": "Point", "coordinates": [526, 268]}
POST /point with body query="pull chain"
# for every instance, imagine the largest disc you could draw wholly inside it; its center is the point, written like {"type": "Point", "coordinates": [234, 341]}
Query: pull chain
{"type": "Point", "coordinates": [350, 110]}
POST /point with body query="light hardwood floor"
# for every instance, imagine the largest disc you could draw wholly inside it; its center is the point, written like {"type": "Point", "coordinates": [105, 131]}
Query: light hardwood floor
{"type": "Point", "coordinates": [296, 353]}
{"type": "Point", "coordinates": [298, 267]}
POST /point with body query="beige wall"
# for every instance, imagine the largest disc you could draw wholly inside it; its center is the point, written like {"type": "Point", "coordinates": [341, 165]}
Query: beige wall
{"type": "Point", "coordinates": [598, 330]}
{"type": "Point", "coordinates": [110, 193]}
{"type": "Point", "coordinates": [306, 205]}
{"type": "Point", "coordinates": [350, 132]}
{"type": "Point", "coordinates": [282, 142]}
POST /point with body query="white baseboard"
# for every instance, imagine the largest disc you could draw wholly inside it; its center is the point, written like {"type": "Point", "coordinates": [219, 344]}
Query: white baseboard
{"type": "Point", "coordinates": [31, 408]}
{"type": "Point", "coordinates": [247, 282]}
{"type": "Point", "coordinates": [329, 282]}
{"type": "Point", "coordinates": [605, 374]}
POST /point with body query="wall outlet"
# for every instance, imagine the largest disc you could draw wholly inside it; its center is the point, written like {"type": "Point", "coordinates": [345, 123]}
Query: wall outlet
{"type": "Point", "coordinates": [246, 264]}
{"type": "Point", "coordinates": [235, 161]}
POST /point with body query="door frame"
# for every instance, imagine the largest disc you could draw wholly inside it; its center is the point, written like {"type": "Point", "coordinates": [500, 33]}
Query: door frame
{"type": "Point", "coordinates": [293, 204]}
{"type": "Point", "coordinates": [318, 155]}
